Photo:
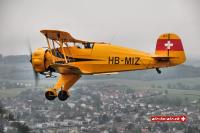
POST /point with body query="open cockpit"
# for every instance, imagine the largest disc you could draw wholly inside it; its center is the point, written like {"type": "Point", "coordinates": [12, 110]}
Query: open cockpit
{"type": "Point", "coordinates": [64, 48]}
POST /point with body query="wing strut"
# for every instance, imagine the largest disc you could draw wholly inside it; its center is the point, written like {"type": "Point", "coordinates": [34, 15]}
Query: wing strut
{"type": "Point", "coordinates": [61, 45]}
{"type": "Point", "coordinates": [49, 47]}
{"type": "Point", "coordinates": [69, 50]}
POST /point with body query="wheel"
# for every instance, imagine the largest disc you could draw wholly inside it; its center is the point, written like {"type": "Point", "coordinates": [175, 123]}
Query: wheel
{"type": "Point", "coordinates": [63, 95]}
{"type": "Point", "coordinates": [50, 95]}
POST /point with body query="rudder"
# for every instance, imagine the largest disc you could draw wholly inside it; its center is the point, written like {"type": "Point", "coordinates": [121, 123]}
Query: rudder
{"type": "Point", "coordinates": [170, 45]}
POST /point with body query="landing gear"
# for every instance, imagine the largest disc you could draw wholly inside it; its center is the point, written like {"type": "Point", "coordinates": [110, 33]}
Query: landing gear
{"type": "Point", "coordinates": [65, 81]}
{"type": "Point", "coordinates": [63, 95]}
{"type": "Point", "coordinates": [51, 94]}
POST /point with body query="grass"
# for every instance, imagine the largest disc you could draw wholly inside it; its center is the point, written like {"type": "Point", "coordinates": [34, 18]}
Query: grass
{"type": "Point", "coordinates": [11, 92]}
{"type": "Point", "coordinates": [180, 93]}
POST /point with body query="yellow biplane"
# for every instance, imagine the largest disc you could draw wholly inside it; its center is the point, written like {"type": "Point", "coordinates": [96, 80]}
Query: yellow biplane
{"type": "Point", "coordinates": [72, 58]}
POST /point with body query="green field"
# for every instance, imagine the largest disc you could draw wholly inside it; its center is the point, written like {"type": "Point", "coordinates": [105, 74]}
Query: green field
{"type": "Point", "coordinates": [160, 85]}
{"type": "Point", "coordinates": [11, 92]}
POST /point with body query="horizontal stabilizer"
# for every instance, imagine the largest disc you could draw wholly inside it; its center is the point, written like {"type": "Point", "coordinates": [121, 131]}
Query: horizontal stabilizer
{"type": "Point", "coordinates": [162, 58]}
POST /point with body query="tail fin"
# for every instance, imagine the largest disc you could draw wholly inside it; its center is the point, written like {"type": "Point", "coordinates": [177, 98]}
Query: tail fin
{"type": "Point", "coordinates": [169, 46]}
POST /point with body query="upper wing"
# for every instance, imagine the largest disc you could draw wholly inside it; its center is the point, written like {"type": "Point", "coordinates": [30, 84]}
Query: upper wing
{"type": "Point", "coordinates": [61, 35]}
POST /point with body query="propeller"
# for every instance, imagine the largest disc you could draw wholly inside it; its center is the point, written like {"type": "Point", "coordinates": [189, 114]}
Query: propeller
{"type": "Point", "coordinates": [36, 75]}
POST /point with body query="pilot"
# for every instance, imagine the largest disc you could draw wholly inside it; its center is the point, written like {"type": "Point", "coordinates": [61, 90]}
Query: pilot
{"type": "Point", "coordinates": [58, 54]}
{"type": "Point", "coordinates": [87, 45]}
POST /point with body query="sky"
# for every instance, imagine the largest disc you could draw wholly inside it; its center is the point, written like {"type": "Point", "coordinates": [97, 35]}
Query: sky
{"type": "Point", "coordinates": [130, 23]}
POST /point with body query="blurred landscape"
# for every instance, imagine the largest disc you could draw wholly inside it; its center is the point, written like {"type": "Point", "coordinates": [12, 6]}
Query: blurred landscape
{"type": "Point", "coordinates": [120, 103]}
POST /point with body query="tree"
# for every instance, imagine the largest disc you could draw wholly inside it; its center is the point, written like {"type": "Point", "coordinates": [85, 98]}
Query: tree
{"type": "Point", "coordinates": [137, 130]}
{"type": "Point", "coordinates": [11, 117]}
{"type": "Point", "coordinates": [105, 118]}
{"type": "Point", "coordinates": [153, 86]}
{"type": "Point", "coordinates": [21, 127]}
{"type": "Point", "coordinates": [117, 119]}
{"type": "Point", "coordinates": [165, 127]}
{"type": "Point", "coordinates": [186, 100]}
{"type": "Point", "coordinates": [1, 58]}
{"type": "Point", "coordinates": [130, 127]}
{"type": "Point", "coordinates": [114, 130]}
{"type": "Point", "coordinates": [2, 111]}
{"type": "Point", "coordinates": [199, 100]}
{"type": "Point", "coordinates": [169, 86]}
{"type": "Point", "coordinates": [159, 86]}
{"type": "Point", "coordinates": [166, 92]}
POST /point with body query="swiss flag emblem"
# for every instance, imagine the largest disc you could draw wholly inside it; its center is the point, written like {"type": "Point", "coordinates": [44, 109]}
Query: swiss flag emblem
{"type": "Point", "coordinates": [172, 45]}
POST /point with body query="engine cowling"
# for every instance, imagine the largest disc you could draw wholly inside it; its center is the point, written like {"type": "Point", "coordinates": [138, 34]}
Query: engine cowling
{"type": "Point", "coordinates": [38, 60]}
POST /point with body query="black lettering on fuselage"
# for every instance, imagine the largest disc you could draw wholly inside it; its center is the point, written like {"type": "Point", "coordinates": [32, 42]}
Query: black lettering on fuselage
{"type": "Point", "coordinates": [116, 60]}
{"type": "Point", "coordinates": [137, 60]}
{"type": "Point", "coordinates": [111, 60]}
{"type": "Point", "coordinates": [126, 60]}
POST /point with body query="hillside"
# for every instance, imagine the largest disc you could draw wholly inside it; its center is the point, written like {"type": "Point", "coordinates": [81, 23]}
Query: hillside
{"type": "Point", "coordinates": [19, 67]}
